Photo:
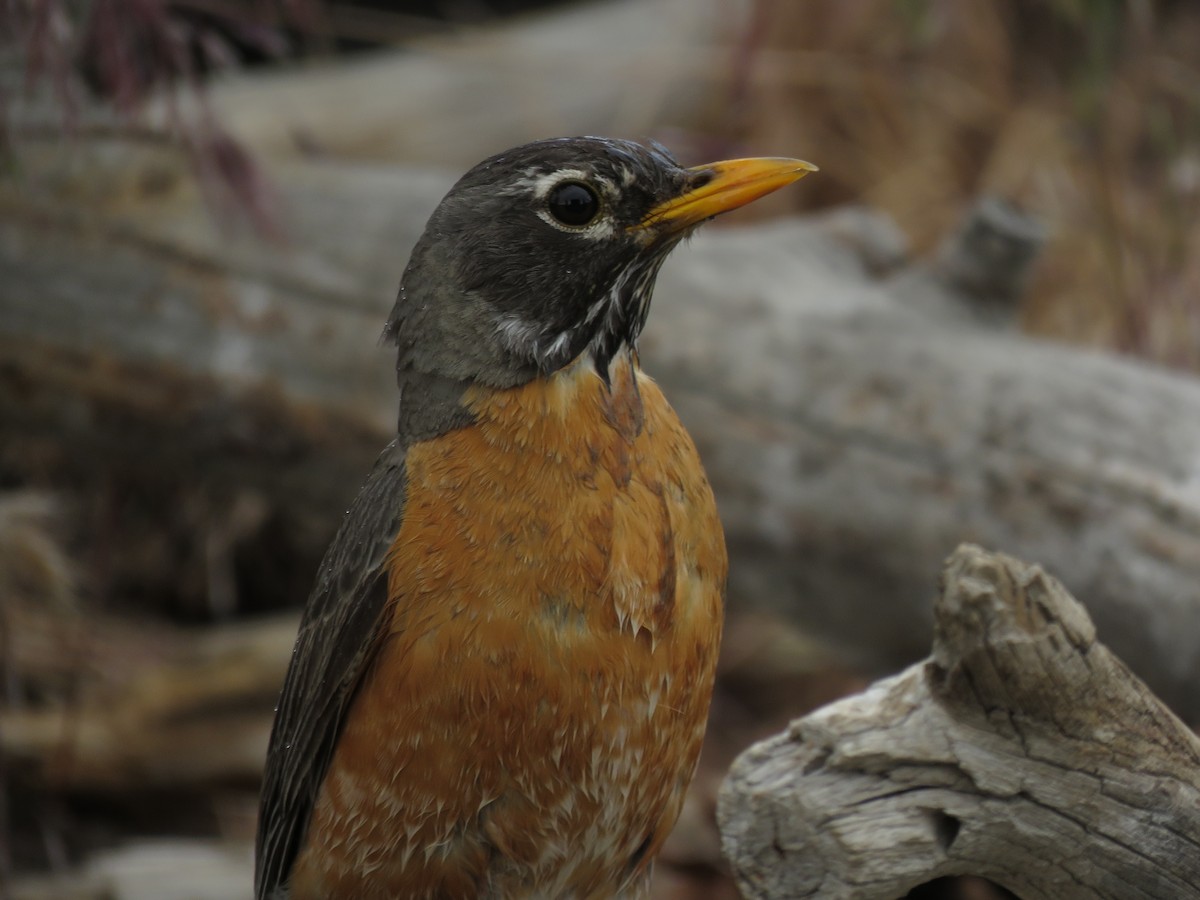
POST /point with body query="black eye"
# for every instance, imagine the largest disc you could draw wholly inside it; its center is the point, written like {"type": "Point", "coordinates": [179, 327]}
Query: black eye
{"type": "Point", "coordinates": [573, 204]}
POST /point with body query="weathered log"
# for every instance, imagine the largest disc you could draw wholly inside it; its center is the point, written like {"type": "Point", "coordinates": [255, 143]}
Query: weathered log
{"type": "Point", "coordinates": [1022, 751]}
{"type": "Point", "coordinates": [619, 67]}
{"type": "Point", "coordinates": [853, 443]}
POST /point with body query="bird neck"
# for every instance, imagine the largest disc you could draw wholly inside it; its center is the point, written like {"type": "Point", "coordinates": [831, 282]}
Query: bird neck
{"type": "Point", "coordinates": [432, 405]}
{"type": "Point", "coordinates": [565, 407]}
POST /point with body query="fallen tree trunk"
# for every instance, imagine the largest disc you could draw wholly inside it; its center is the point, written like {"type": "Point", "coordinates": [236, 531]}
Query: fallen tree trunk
{"type": "Point", "coordinates": [1022, 751]}
{"type": "Point", "coordinates": [853, 443]}
{"type": "Point", "coordinates": [617, 67]}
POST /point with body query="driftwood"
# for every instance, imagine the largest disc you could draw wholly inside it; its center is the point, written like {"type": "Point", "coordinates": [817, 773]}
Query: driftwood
{"type": "Point", "coordinates": [231, 395]}
{"type": "Point", "coordinates": [1022, 751]}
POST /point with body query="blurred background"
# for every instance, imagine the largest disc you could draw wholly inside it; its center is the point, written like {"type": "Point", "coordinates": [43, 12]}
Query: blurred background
{"type": "Point", "coordinates": [205, 208]}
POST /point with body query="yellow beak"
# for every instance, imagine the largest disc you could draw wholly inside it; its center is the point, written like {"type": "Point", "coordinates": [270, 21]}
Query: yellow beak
{"type": "Point", "coordinates": [732, 183]}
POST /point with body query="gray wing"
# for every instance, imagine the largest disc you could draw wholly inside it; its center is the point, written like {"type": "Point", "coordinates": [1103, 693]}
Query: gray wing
{"type": "Point", "coordinates": [337, 640]}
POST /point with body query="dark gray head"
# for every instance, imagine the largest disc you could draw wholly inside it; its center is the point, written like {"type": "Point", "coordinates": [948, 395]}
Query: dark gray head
{"type": "Point", "coordinates": [550, 250]}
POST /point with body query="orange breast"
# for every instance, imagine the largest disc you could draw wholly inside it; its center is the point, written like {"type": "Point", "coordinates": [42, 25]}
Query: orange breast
{"type": "Point", "coordinates": [534, 716]}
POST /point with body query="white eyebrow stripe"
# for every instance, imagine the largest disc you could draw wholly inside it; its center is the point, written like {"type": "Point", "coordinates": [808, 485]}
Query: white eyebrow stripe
{"type": "Point", "coordinates": [540, 183]}
{"type": "Point", "coordinates": [549, 180]}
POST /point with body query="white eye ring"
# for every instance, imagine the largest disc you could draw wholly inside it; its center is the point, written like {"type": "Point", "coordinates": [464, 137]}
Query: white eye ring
{"type": "Point", "coordinates": [543, 187]}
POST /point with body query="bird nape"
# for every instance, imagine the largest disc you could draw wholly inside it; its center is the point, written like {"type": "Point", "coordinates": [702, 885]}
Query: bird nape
{"type": "Point", "coordinates": [502, 675]}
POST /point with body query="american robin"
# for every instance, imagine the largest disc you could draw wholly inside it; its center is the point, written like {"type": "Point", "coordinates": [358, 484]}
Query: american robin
{"type": "Point", "coordinates": [502, 676]}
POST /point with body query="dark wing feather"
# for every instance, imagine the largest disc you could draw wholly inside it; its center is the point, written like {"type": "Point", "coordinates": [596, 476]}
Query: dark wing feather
{"type": "Point", "coordinates": [336, 642]}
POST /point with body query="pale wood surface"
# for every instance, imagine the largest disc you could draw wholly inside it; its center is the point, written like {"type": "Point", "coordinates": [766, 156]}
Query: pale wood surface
{"type": "Point", "coordinates": [1022, 751]}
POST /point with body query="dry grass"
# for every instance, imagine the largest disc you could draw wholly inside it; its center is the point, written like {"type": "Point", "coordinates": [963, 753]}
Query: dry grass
{"type": "Point", "coordinates": [1086, 112]}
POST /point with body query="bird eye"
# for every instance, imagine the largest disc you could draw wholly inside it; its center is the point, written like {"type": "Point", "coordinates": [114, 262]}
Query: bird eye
{"type": "Point", "coordinates": [573, 204]}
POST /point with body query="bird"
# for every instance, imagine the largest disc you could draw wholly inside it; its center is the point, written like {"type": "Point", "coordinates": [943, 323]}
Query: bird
{"type": "Point", "coordinates": [502, 676]}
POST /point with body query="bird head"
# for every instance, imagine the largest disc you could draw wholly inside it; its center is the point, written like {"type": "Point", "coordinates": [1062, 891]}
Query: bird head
{"type": "Point", "coordinates": [550, 250]}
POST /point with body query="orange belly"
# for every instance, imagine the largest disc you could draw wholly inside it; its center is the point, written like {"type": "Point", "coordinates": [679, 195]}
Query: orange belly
{"type": "Point", "coordinates": [533, 717]}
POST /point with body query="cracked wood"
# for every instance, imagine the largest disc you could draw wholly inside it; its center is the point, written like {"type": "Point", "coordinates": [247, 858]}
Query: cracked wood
{"type": "Point", "coordinates": [1022, 751]}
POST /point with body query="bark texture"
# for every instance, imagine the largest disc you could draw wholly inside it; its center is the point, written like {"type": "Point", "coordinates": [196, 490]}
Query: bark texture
{"type": "Point", "coordinates": [1022, 751]}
